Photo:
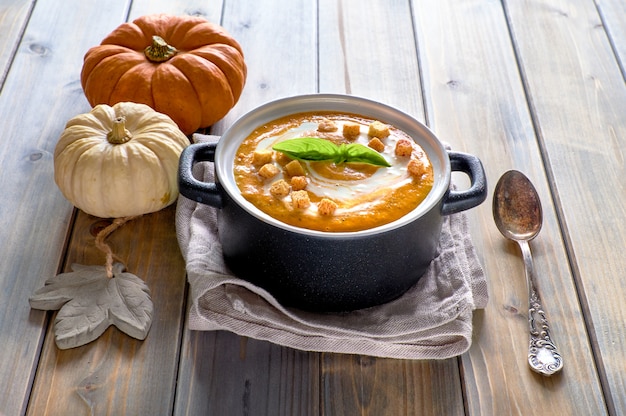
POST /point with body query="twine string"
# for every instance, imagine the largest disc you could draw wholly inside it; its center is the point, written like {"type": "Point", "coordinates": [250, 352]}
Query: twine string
{"type": "Point", "coordinates": [105, 248]}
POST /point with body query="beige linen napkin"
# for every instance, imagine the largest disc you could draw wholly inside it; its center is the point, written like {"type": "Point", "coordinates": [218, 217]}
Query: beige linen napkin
{"type": "Point", "coordinates": [433, 320]}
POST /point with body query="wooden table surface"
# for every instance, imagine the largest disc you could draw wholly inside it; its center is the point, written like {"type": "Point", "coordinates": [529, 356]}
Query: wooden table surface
{"type": "Point", "coordinates": [532, 85]}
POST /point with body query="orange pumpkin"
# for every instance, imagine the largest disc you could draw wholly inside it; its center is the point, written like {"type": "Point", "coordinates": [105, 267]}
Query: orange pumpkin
{"type": "Point", "coordinates": [183, 66]}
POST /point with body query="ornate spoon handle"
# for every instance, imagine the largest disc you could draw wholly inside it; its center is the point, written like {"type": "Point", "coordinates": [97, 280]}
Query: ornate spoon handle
{"type": "Point", "coordinates": [543, 355]}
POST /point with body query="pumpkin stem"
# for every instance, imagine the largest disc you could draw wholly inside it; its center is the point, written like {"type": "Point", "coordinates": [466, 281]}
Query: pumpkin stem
{"type": "Point", "coordinates": [119, 134]}
{"type": "Point", "coordinates": [159, 51]}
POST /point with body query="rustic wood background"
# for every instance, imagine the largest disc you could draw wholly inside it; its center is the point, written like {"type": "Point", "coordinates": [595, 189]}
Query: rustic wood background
{"type": "Point", "coordinates": [536, 86]}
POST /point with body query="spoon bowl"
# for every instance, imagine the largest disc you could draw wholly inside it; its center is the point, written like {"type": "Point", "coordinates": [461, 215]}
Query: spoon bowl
{"type": "Point", "coordinates": [518, 215]}
{"type": "Point", "coordinates": [516, 207]}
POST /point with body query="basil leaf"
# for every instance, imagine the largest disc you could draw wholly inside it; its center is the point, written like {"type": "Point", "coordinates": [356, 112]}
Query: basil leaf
{"type": "Point", "coordinates": [314, 149]}
{"type": "Point", "coordinates": [355, 152]}
{"type": "Point", "coordinates": [308, 148]}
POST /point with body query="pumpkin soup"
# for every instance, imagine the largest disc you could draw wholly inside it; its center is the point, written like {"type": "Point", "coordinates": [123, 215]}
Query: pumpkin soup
{"type": "Point", "coordinates": [332, 172]}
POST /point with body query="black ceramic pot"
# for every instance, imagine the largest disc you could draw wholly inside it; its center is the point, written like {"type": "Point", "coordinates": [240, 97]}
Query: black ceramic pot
{"type": "Point", "coordinates": [323, 271]}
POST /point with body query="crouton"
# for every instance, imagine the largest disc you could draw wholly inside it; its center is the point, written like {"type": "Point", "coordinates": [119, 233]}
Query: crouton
{"type": "Point", "coordinates": [298, 183]}
{"type": "Point", "coordinates": [300, 199]}
{"type": "Point", "coordinates": [416, 168]}
{"type": "Point", "coordinates": [280, 188]}
{"type": "Point", "coordinates": [404, 147]}
{"type": "Point", "coordinates": [351, 130]}
{"type": "Point", "coordinates": [261, 157]}
{"type": "Point", "coordinates": [326, 207]}
{"type": "Point", "coordinates": [378, 129]}
{"type": "Point", "coordinates": [376, 144]}
{"type": "Point", "coordinates": [294, 168]}
{"type": "Point", "coordinates": [268, 171]}
{"type": "Point", "coordinates": [282, 159]}
{"type": "Point", "coordinates": [326, 126]}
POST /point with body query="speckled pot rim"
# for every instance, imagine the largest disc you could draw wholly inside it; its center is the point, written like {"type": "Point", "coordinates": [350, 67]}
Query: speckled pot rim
{"type": "Point", "coordinates": [234, 135]}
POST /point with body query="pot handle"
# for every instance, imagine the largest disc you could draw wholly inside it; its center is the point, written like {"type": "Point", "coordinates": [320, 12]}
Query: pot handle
{"type": "Point", "coordinates": [190, 187]}
{"type": "Point", "coordinates": [457, 201]}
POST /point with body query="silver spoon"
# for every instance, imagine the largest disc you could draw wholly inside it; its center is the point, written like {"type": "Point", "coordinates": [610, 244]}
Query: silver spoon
{"type": "Point", "coordinates": [518, 215]}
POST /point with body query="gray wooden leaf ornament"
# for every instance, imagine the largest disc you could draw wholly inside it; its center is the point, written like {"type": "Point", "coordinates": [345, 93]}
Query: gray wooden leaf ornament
{"type": "Point", "coordinates": [89, 302]}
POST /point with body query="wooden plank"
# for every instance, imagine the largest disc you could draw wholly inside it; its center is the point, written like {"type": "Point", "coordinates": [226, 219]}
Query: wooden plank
{"type": "Point", "coordinates": [34, 217]}
{"type": "Point", "coordinates": [355, 59]}
{"type": "Point", "coordinates": [613, 14]}
{"type": "Point", "coordinates": [357, 384]}
{"type": "Point", "coordinates": [209, 10]}
{"type": "Point", "coordinates": [14, 15]}
{"type": "Point", "coordinates": [579, 100]}
{"type": "Point", "coordinates": [222, 373]}
{"type": "Point", "coordinates": [117, 374]}
{"type": "Point", "coordinates": [475, 100]}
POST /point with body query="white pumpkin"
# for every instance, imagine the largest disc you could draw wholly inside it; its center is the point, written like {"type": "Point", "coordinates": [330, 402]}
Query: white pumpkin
{"type": "Point", "coordinates": [119, 161]}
